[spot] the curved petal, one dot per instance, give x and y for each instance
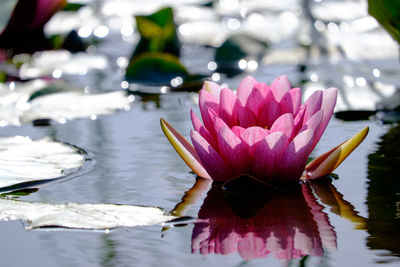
(252, 135)
(269, 111)
(238, 130)
(213, 89)
(212, 161)
(199, 127)
(280, 86)
(296, 155)
(313, 104)
(233, 150)
(268, 156)
(184, 149)
(206, 102)
(228, 107)
(245, 88)
(256, 97)
(291, 101)
(328, 104)
(313, 123)
(328, 162)
(284, 124)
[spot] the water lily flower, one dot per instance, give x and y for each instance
(262, 131)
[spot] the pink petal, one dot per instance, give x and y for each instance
(228, 107)
(269, 111)
(284, 124)
(280, 86)
(246, 117)
(208, 101)
(199, 127)
(232, 150)
(291, 101)
(252, 135)
(212, 88)
(268, 155)
(314, 122)
(312, 105)
(210, 159)
(328, 105)
(256, 97)
(245, 88)
(237, 130)
(298, 120)
(296, 155)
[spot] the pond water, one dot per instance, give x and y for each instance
(353, 220)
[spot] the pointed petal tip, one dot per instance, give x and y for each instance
(329, 161)
(184, 149)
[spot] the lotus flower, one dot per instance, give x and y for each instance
(290, 225)
(262, 131)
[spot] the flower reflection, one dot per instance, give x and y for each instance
(288, 224)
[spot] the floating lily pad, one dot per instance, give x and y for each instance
(80, 216)
(26, 163)
(55, 101)
(235, 49)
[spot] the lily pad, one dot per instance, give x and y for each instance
(55, 101)
(80, 216)
(161, 69)
(237, 49)
(27, 163)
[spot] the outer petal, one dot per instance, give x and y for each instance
(208, 101)
(228, 107)
(291, 101)
(268, 156)
(269, 111)
(312, 105)
(245, 88)
(238, 130)
(328, 104)
(328, 162)
(280, 86)
(252, 136)
(212, 161)
(184, 149)
(284, 124)
(314, 122)
(296, 155)
(212, 88)
(199, 127)
(233, 150)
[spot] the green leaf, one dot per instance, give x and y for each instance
(155, 68)
(387, 13)
(234, 49)
(158, 33)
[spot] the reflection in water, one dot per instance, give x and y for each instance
(288, 224)
(383, 198)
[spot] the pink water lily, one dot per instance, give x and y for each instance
(261, 131)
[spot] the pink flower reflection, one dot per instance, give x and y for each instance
(290, 225)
